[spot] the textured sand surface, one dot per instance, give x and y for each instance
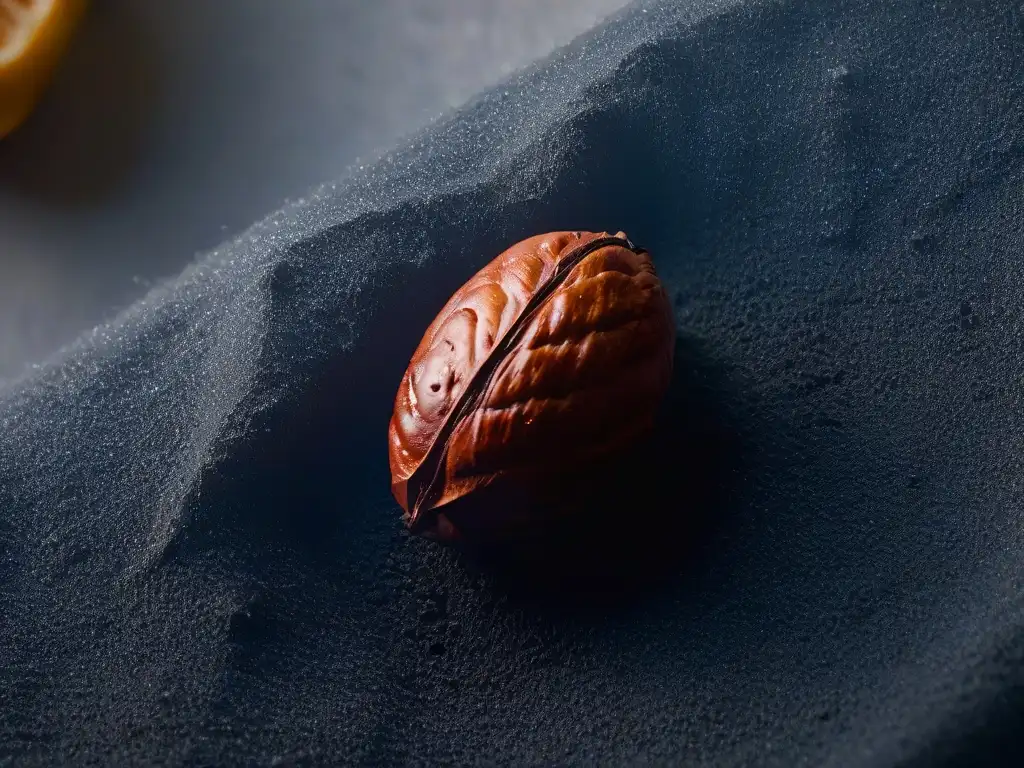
(199, 558)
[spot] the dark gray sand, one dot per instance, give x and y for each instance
(200, 562)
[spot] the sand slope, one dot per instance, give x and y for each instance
(199, 558)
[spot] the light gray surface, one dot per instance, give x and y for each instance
(174, 125)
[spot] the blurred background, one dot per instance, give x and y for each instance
(172, 126)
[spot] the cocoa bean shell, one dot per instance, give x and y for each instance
(553, 356)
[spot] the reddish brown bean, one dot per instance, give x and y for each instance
(552, 357)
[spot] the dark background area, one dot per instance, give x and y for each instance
(174, 126)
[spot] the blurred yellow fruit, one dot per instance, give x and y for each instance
(34, 34)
